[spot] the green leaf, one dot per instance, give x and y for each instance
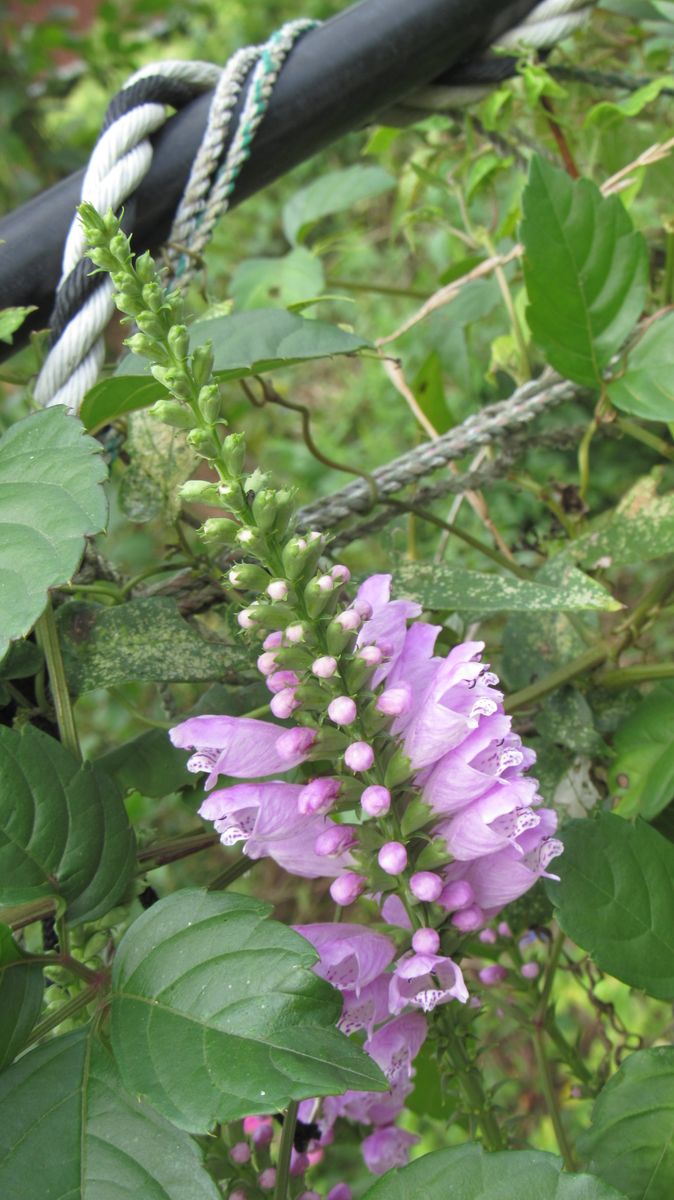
(50, 499)
(645, 388)
(63, 828)
(639, 528)
(610, 113)
(446, 586)
(149, 763)
(630, 1142)
(145, 640)
(12, 319)
(22, 660)
(566, 720)
(296, 276)
(587, 245)
(468, 1173)
(616, 899)
(216, 1013)
(69, 1131)
(21, 988)
(332, 193)
(244, 344)
(160, 461)
(642, 774)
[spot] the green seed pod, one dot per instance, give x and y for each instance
(172, 413)
(234, 453)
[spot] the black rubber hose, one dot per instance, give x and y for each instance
(339, 77)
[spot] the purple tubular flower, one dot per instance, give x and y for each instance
(265, 817)
(351, 956)
(394, 1048)
(387, 1148)
(492, 822)
(367, 1008)
(359, 756)
(497, 879)
(425, 980)
(237, 746)
(388, 623)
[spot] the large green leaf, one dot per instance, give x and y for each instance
(63, 828)
(640, 527)
(244, 344)
(140, 640)
(630, 1142)
(69, 1131)
(50, 498)
(296, 276)
(642, 773)
(216, 1013)
(444, 585)
(467, 1173)
(615, 898)
(331, 193)
(149, 763)
(585, 245)
(21, 988)
(646, 388)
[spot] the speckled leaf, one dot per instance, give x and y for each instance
(630, 1142)
(566, 719)
(615, 899)
(50, 498)
(69, 1131)
(142, 640)
(63, 828)
(586, 243)
(468, 1173)
(216, 1013)
(639, 528)
(645, 388)
(446, 586)
(160, 461)
(535, 644)
(21, 988)
(642, 773)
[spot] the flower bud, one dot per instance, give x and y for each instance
(267, 1179)
(296, 741)
(375, 800)
(240, 1153)
(172, 413)
(248, 576)
(198, 491)
(264, 509)
(284, 703)
(263, 1136)
(394, 700)
(266, 663)
(349, 620)
(153, 298)
(504, 930)
(234, 453)
(219, 531)
(347, 888)
(280, 680)
(273, 640)
(325, 667)
(341, 1191)
(237, 1194)
(363, 608)
(487, 937)
(337, 639)
(247, 618)
(492, 974)
(456, 895)
(317, 595)
(371, 655)
(210, 403)
(426, 885)
(178, 338)
(141, 344)
(300, 556)
(359, 756)
(531, 970)
(468, 919)
(342, 710)
(334, 841)
(202, 363)
(340, 573)
(426, 941)
(277, 589)
(203, 443)
(295, 633)
(392, 858)
(318, 796)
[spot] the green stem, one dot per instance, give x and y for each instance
(382, 289)
(470, 1083)
(233, 872)
(627, 676)
(551, 1098)
(668, 280)
(584, 458)
(495, 555)
(174, 849)
(158, 569)
(47, 636)
(108, 591)
(17, 916)
(571, 670)
(64, 1013)
(645, 436)
(567, 1052)
(285, 1151)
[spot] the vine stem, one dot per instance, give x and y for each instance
(47, 636)
(470, 1084)
(544, 1065)
(151, 857)
(285, 1151)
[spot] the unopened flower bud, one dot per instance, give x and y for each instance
(426, 941)
(347, 888)
(278, 589)
(299, 1163)
(335, 841)
(487, 937)
(247, 618)
(251, 540)
(293, 742)
(141, 343)
(394, 700)
(317, 595)
(210, 403)
(531, 970)
(468, 919)
(237, 1194)
(392, 858)
(273, 640)
(371, 655)
(342, 710)
(503, 929)
(340, 573)
(295, 633)
(202, 363)
(178, 338)
(267, 1179)
(240, 1153)
(359, 756)
(349, 620)
(363, 608)
(341, 1191)
(280, 680)
(456, 895)
(300, 556)
(284, 703)
(318, 796)
(375, 800)
(202, 443)
(264, 509)
(325, 667)
(219, 531)
(198, 491)
(263, 1135)
(426, 885)
(492, 974)
(266, 663)
(172, 413)
(153, 298)
(248, 576)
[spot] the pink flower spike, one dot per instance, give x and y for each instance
(267, 1179)
(392, 858)
(359, 756)
(347, 888)
(426, 941)
(340, 573)
(468, 919)
(240, 1153)
(492, 974)
(456, 895)
(273, 640)
(375, 800)
(318, 795)
(426, 885)
(325, 667)
(293, 745)
(335, 840)
(395, 700)
(280, 680)
(266, 663)
(278, 589)
(342, 710)
(283, 704)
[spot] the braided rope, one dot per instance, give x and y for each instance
(496, 423)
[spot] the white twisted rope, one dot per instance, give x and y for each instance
(123, 155)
